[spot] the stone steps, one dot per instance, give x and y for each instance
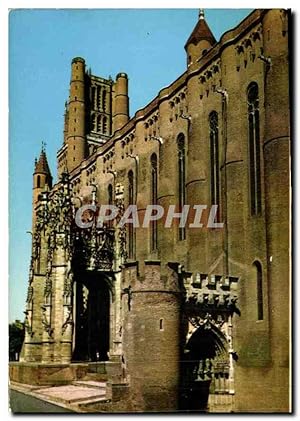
(91, 402)
(90, 383)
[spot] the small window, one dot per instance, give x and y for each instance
(161, 324)
(38, 182)
(259, 290)
(110, 194)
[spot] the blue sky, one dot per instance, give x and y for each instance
(146, 44)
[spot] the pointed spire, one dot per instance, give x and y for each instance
(201, 14)
(201, 32)
(41, 165)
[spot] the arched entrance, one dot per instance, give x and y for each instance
(205, 365)
(92, 298)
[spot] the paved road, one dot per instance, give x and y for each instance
(21, 403)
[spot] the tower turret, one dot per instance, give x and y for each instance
(76, 139)
(200, 40)
(42, 178)
(121, 102)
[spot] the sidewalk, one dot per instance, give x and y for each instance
(79, 396)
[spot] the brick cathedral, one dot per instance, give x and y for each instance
(172, 318)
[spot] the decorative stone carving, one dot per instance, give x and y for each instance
(210, 302)
(211, 292)
(128, 291)
(68, 285)
(93, 248)
(210, 79)
(28, 322)
(68, 319)
(121, 230)
(46, 320)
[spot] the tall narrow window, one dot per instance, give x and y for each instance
(99, 97)
(93, 99)
(254, 149)
(104, 124)
(130, 226)
(38, 183)
(99, 123)
(104, 100)
(259, 288)
(94, 122)
(181, 179)
(110, 200)
(153, 200)
(214, 159)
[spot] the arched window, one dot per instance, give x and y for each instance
(254, 148)
(214, 159)
(38, 181)
(153, 242)
(130, 226)
(181, 179)
(259, 289)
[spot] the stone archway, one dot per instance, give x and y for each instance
(92, 307)
(207, 365)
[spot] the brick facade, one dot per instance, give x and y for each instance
(194, 312)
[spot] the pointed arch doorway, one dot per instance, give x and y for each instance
(92, 306)
(206, 367)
